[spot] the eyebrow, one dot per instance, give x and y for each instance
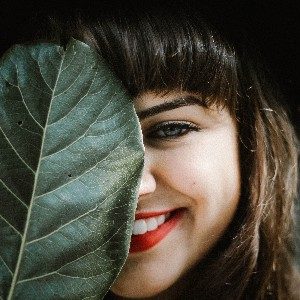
(176, 103)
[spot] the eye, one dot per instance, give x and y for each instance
(171, 130)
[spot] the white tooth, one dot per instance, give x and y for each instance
(160, 219)
(139, 227)
(151, 224)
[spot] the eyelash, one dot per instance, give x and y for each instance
(179, 129)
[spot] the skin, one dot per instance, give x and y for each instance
(195, 168)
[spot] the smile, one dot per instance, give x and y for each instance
(150, 228)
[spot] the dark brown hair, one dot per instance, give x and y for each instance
(168, 49)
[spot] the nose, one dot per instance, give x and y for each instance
(148, 181)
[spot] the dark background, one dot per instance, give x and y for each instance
(270, 26)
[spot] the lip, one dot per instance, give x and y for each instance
(145, 215)
(149, 239)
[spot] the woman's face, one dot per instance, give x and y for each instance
(192, 171)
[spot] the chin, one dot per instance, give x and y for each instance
(153, 282)
(137, 291)
(147, 288)
(136, 294)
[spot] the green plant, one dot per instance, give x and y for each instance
(71, 156)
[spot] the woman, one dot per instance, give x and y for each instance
(215, 208)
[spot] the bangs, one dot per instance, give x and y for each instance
(165, 50)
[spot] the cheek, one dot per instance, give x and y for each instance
(206, 168)
(207, 181)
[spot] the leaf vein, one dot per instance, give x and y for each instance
(7, 188)
(15, 150)
(82, 215)
(64, 116)
(34, 60)
(16, 230)
(23, 99)
(82, 135)
(32, 131)
(87, 171)
(90, 252)
(81, 71)
(57, 271)
(85, 278)
(38, 63)
(74, 53)
(21, 251)
(7, 267)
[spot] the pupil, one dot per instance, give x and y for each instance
(173, 130)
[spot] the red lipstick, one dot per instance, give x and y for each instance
(149, 239)
(145, 215)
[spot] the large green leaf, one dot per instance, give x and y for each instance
(70, 162)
